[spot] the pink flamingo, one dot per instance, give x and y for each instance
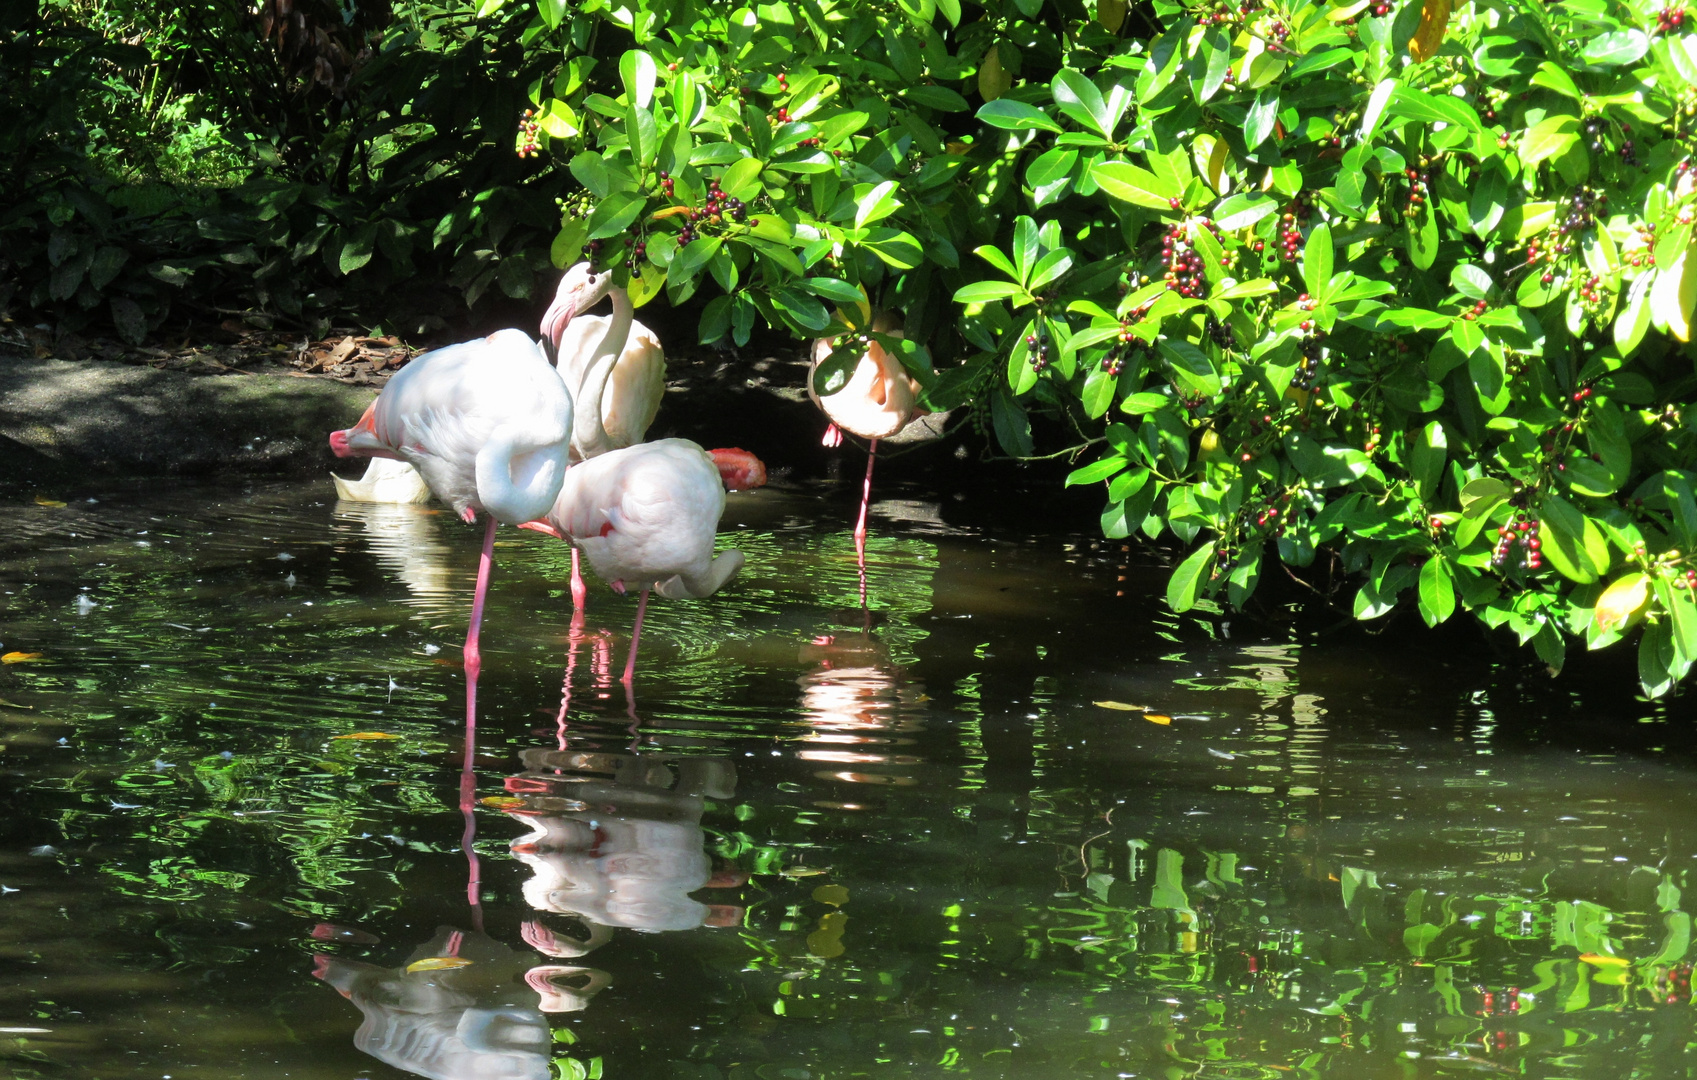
(879, 400)
(647, 515)
(487, 423)
(616, 372)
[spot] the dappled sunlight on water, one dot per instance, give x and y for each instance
(1013, 820)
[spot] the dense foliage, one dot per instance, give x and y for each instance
(295, 164)
(1368, 292)
(1377, 287)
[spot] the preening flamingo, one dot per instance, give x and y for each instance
(616, 372)
(646, 516)
(879, 400)
(487, 423)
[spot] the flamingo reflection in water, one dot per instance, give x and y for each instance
(459, 1009)
(860, 707)
(616, 840)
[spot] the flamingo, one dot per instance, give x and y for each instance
(487, 423)
(386, 480)
(647, 514)
(616, 372)
(879, 400)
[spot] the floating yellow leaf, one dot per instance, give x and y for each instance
(835, 895)
(800, 872)
(438, 963)
(19, 657)
(1429, 35)
(42, 500)
(1121, 706)
(1622, 600)
(993, 81)
(368, 736)
(1111, 14)
(1157, 718)
(1605, 961)
(501, 802)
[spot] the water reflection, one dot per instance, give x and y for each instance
(615, 838)
(860, 708)
(406, 540)
(459, 1009)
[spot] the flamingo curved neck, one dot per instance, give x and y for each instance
(606, 356)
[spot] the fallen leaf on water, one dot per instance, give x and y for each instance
(1120, 705)
(438, 963)
(14, 705)
(42, 500)
(501, 802)
(19, 657)
(1157, 718)
(1605, 961)
(800, 872)
(366, 735)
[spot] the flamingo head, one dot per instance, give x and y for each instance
(739, 469)
(581, 288)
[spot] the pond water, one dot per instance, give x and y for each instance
(243, 838)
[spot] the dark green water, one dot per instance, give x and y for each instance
(908, 844)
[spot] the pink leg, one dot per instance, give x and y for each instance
(473, 658)
(574, 637)
(860, 526)
(635, 636)
(580, 593)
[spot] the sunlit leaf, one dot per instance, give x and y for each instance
(20, 657)
(366, 736)
(438, 963)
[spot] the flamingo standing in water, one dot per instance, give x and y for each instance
(487, 423)
(646, 515)
(878, 401)
(616, 372)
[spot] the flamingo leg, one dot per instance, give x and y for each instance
(860, 525)
(473, 658)
(580, 592)
(635, 636)
(574, 637)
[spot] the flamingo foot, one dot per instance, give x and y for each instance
(617, 586)
(469, 516)
(833, 437)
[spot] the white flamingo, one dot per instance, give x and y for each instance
(487, 423)
(646, 516)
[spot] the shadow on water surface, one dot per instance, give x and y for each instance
(823, 842)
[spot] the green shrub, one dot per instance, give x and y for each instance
(1376, 283)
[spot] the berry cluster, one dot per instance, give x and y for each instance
(1220, 333)
(1312, 348)
(1273, 516)
(1419, 191)
(1478, 309)
(1687, 580)
(1583, 206)
(1669, 19)
(1381, 9)
(1037, 346)
(719, 207)
(638, 252)
(1520, 533)
(1290, 227)
(1646, 238)
(529, 131)
(1588, 290)
(592, 249)
(1593, 129)
(1278, 32)
(1628, 149)
(666, 183)
(1185, 271)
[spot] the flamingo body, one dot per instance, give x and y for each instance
(631, 397)
(386, 480)
(647, 515)
(485, 422)
(880, 397)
